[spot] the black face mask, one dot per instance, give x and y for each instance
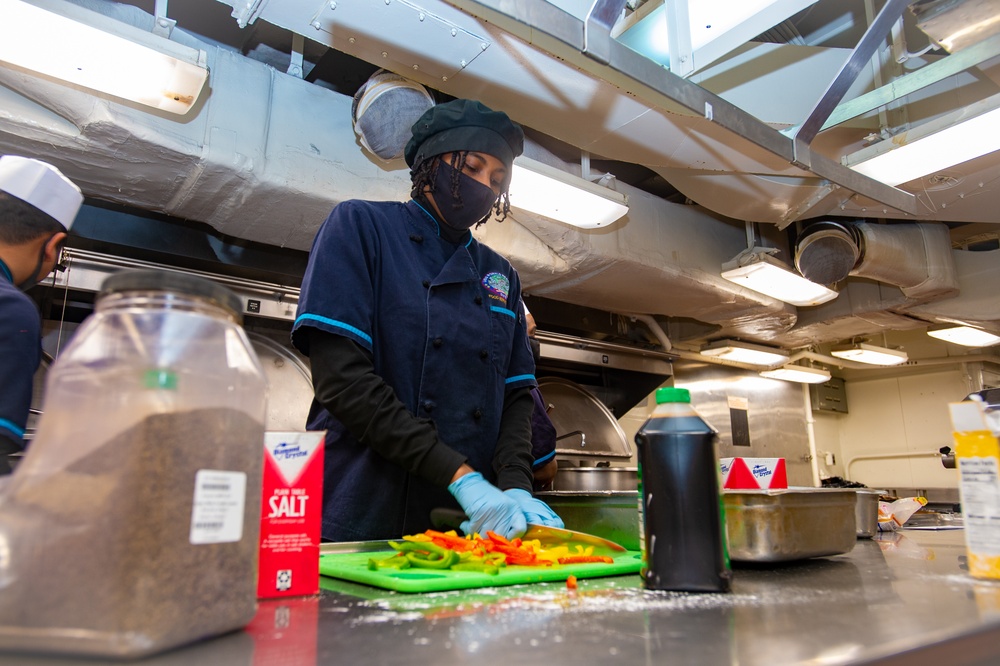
(472, 205)
(33, 278)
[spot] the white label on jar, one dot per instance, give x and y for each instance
(980, 488)
(217, 514)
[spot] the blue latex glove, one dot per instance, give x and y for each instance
(487, 507)
(535, 511)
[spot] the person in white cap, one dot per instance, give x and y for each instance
(37, 207)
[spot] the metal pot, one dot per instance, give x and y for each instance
(591, 479)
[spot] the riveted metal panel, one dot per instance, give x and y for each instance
(434, 46)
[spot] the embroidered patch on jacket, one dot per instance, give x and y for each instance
(497, 286)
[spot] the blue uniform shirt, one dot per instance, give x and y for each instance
(445, 329)
(20, 354)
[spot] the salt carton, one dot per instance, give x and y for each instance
(753, 473)
(291, 508)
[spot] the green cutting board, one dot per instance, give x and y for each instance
(354, 567)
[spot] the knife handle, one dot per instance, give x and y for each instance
(452, 518)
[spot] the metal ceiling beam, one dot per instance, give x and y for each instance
(858, 60)
(546, 26)
(916, 80)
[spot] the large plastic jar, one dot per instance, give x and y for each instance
(680, 506)
(132, 522)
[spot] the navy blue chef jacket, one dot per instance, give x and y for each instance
(444, 325)
(20, 354)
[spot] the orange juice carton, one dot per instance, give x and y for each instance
(977, 454)
(291, 508)
(753, 473)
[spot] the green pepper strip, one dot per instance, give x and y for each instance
(419, 546)
(394, 562)
(444, 562)
(482, 567)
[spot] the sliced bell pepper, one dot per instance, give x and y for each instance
(482, 567)
(585, 559)
(446, 561)
(451, 540)
(419, 547)
(397, 561)
(496, 538)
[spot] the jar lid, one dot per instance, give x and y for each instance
(672, 394)
(191, 285)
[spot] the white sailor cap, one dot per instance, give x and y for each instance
(41, 185)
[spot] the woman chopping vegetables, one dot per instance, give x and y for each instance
(420, 362)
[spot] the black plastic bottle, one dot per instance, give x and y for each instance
(680, 506)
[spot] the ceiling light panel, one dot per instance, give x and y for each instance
(964, 335)
(932, 147)
(872, 354)
(744, 352)
(762, 273)
(544, 190)
(64, 41)
(798, 373)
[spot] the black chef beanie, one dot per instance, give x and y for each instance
(464, 124)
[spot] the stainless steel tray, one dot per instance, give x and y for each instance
(761, 525)
(791, 524)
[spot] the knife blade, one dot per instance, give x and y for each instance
(547, 536)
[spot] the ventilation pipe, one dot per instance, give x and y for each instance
(915, 257)
(384, 110)
(654, 328)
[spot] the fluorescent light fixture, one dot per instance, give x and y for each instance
(745, 352)
(757, 270)
(64, 41)
(933, 146)
(863, 352)
(539, 188)
(798, 373)
(964, 335)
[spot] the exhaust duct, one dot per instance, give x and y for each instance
(384, 110)
(916, 257)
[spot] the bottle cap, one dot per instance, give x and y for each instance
(671, 394)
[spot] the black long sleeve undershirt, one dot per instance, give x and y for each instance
(346, 385)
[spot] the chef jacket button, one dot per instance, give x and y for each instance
(483, 354)
(416, 239)
(437, 342)
(428, 406)
(426, 283)
(479, 300)
(477, 414)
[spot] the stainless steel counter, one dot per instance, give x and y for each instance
(904, 598)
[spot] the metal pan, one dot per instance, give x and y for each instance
(761, 525)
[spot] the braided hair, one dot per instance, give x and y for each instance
(423, 176)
